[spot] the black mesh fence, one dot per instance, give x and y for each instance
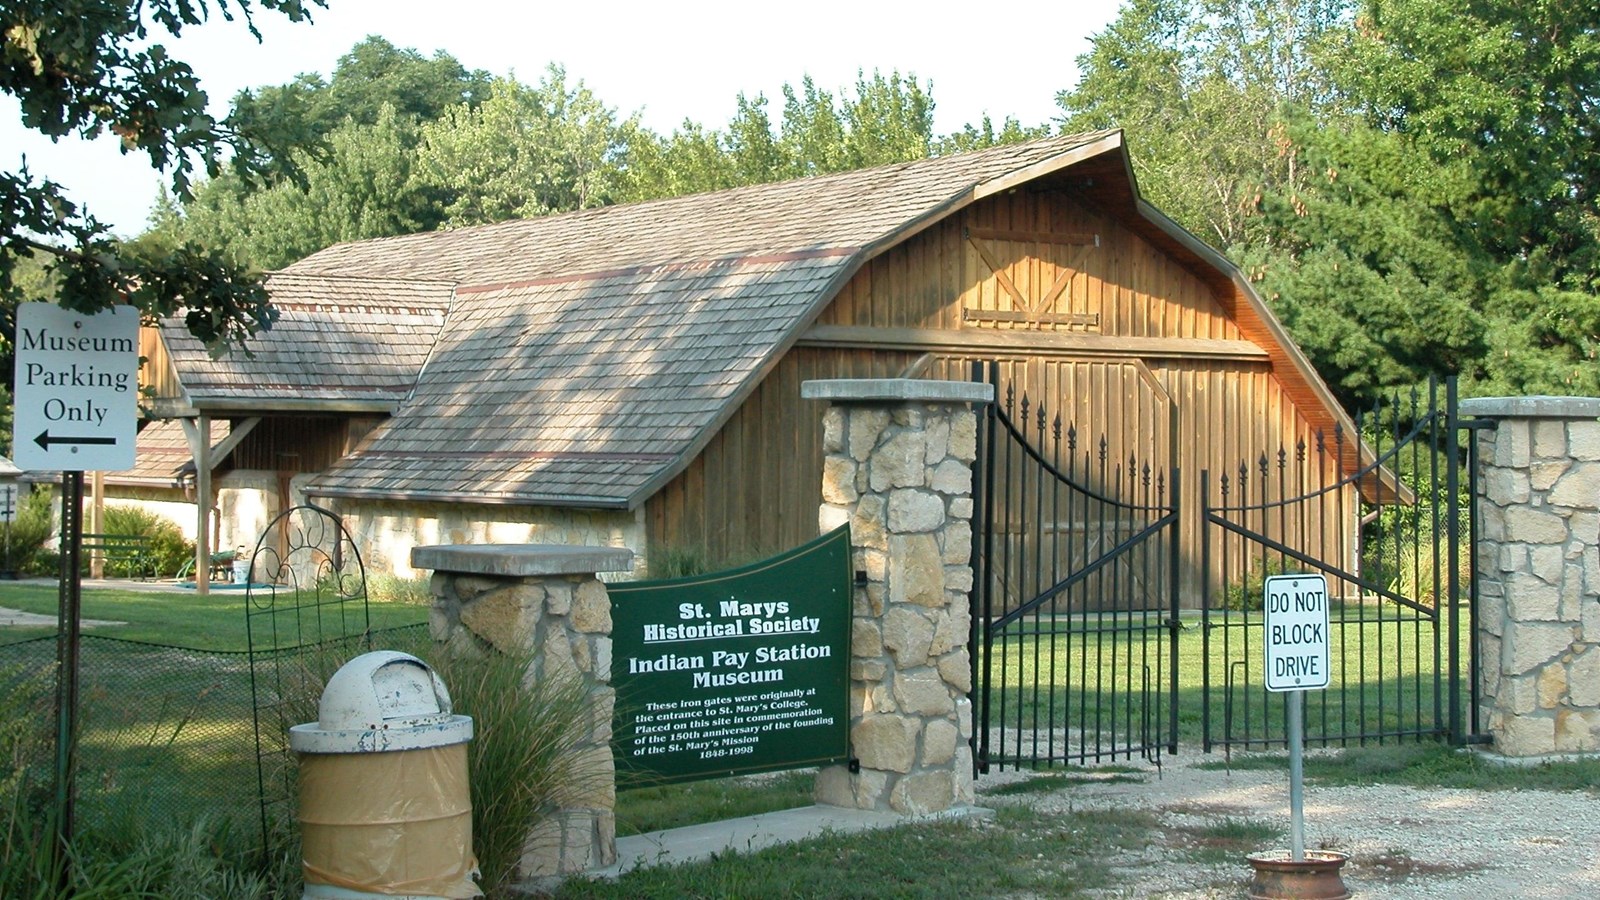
(166, 734)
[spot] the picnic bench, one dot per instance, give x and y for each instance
(221, 566)
(129, 553)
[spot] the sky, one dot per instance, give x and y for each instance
(666, 61)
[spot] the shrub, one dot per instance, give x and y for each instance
(1249, 592)
(34, 526)
(688, 561)
(168, 548)
(386, 588)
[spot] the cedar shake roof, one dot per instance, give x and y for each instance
(585, 359)
(359, 342)
(590, 355)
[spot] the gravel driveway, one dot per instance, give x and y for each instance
(1403, 842)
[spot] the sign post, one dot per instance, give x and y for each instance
(76, 409)
(1297, 660)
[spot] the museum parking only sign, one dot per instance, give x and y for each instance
(1297, 656)
(77, 389)
(736, 672)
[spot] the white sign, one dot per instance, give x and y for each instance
(77, 389)
(1297, 632)
(8, 502)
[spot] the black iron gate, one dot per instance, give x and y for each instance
(1075, 594)
(1384, 515)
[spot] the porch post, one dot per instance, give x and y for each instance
(1539, 573)
(544, 596)
(897, 467)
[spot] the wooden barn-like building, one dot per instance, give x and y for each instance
(631, 375)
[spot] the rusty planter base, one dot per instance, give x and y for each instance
(1278, 877)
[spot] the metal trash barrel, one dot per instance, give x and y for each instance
(384, 804)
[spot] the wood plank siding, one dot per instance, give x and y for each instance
(1086, 316)
(301, 443)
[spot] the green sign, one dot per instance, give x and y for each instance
(740, 671)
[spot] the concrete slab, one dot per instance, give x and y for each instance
(751, 833)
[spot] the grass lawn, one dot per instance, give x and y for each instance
(174, 617)
(165, 713)
(1018, 853)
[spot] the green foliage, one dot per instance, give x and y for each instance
(1019, 852)
(374, 81)
(1432, 765)
(983, 135)
(384, 587)
(31, 529)
(1250, 590)
(525, 152)
(87, 67)
(168, 547)
(1411, 184)
(688, 560)
(1202, 86)
(885, 119)
(1366, 274)
(362, 184)
(523, 758)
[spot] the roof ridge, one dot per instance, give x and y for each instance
(371, 279)
(571, 217)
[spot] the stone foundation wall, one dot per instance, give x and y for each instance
(1539, 573)
(898, 469)
(500, 598)
(386, 532)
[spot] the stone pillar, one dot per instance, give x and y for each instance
(898, 468)
(1539, 573)
(544, 597)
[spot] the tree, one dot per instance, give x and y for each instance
(362, 184)
(983, 135)
(1412, 187)
(526, 151)
(1503, 98)
(1203, 88)
(887, 119)
(87, 67)
(373, 76)
(1367, 276)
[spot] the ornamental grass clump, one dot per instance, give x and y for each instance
(525, 760)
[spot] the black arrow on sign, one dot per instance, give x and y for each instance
(44, 440)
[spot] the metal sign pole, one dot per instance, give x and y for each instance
(67, 642)
(1297, 812)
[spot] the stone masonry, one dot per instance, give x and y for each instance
(544, 597)
(898, 468)
(1539, 573)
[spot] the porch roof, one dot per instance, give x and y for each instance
(349, 341)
